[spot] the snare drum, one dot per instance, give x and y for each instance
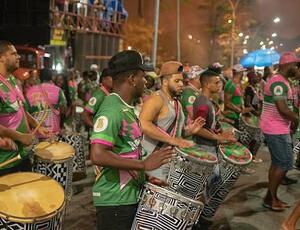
(233, 158)
(189, 171)
(55, 159)
(162, 209)
(30, 201)
(77, 141)
(250, 131)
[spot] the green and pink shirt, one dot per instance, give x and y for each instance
(117, 127)
(272, 122)
(12, 115)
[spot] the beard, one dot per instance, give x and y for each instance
(174, 92)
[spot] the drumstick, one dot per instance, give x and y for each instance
(42, 120)
(18, 157)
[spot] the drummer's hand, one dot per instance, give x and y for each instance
(45, 132)
(158, 158)
(195, 126)
(246, 110)
(8, 144)
(181, 143)
(26, 138)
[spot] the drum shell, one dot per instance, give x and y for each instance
(57, 165)
(188, 175)
(77, 141)
(159, 203)
(51, 220)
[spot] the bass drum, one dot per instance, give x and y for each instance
(31, 201)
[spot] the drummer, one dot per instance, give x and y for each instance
(234, 97)
(97, 98)
(45, 97)
(191, 91)
(204, 107)
(15, 122)
(115, 145)
(162, 118)
(207, 137)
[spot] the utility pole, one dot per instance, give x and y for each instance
(178, 31)
(155, 37)
(233, 10)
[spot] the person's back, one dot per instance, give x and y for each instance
(272, 122)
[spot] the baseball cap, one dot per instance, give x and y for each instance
(195, 71)
(288, 57)
(217, 65)
(127, 60)
(238, 68)
(171, 67)
(94, 67)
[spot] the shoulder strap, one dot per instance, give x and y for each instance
(55, 111)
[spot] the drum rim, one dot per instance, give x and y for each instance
(197, 159)
(149, 185)
(247, 124)
(234, 162)
(61, 160)
(27, 220)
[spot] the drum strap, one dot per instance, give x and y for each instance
(172, 129)
(55, 111)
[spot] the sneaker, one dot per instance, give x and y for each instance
(287, 181)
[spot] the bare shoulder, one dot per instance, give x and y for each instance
(154, 100)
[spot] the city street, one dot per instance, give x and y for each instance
(242, 209)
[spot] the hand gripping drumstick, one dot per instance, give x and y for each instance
(18, 157)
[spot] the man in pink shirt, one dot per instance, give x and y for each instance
(46, 96)
(275, 122)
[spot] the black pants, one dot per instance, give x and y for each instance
(115, 217)
(24, 166)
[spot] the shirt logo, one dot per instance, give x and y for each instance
(92, 101)
(192, 99)
(100, 124)
(278, 90)
(96, 194)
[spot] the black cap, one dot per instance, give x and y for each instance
(127, 60)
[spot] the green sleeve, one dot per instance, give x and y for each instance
(95, 102)
(62, 101)
(107, 124)
(279, 91)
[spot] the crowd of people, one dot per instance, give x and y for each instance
(138, 119)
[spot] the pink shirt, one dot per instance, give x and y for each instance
(272, 122)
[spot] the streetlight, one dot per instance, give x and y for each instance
(245, 42)
(245, 51)
(276, 20)
(271, 42)
(229, 21)
(247, 37)
(241, 34)
(274, 35)
(129, 47)
(190, 36)
(233, 11)
(280, 44)
(261, 43)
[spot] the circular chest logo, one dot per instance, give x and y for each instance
(100, 124)
(92, 101)
(278, 90)
(192, 99)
